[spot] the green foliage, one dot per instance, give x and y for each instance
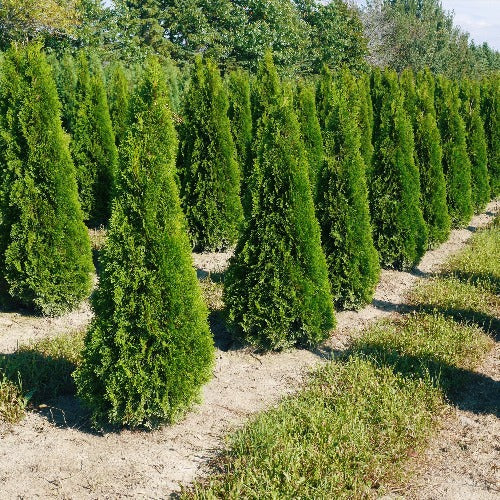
(470, 97)
(118, 98)
(240, 116)
(352, 426)
(310, 131)
(43, 370)
(276, 287)
(208, 170)
(149, 349)
(45, 258)
(490, 110)
(429, 160)
(336, 35)
(456, 163)
(66, 80)
(93, 146)
(342, 202)
(366, 120)
(12, 402)
(400, 233)
(420, 34)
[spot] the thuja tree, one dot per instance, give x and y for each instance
(118, 99)
(240, 116)
(342, 202)
(456, 163)
(366, 120)
(148, 349)
(276, 287)
(429, 160)
(208, 170)
(65, 75)
(310, 130)
(400, 233)
(490, 110)
(470, 98)
(93, 142)
(45, 256)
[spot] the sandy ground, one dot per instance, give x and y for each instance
(52, 453)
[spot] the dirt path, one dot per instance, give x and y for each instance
(51, 453)
(463, 460)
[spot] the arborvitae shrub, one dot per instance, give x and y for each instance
(477, 150)
(366, 121)
(276, 287)
(310, 131)
(45, 256)
(118, 98)
(324, 95)
(266, 88)
(456, 163)
(148, 349)
(65, 75)
(93, 142)
(240, 116)
(490, 110)
(208, 171)
(429, 161)
(400, 233)
(342, 202)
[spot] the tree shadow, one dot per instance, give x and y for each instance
(465, 389)
(47, 384)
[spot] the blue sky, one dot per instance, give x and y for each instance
(480, 18)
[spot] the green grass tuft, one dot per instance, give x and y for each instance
(352, 427)
(42, 371)
(12, 402)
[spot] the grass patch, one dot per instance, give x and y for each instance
(479, 263)
(212, 293)
(40, 371)
(427, 346)
(353, 427)
(468, 286)
(459, 300)
(345, 433)
(12, 402)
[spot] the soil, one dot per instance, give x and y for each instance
(53, 452)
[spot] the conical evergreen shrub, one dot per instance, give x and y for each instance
(342, 202)
(477, 149)
(429, 161)
(240, 116)
(66, 81)
(45, 256)
(118, 98)
(324, 95)
(266, 89)
(310, 130)
(276, 287)
(93, 142)
(366, 121)
(490, 110)
(400, 233)
(208, 171)
(148, 349)
(456, 163)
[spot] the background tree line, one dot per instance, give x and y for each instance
(303, 34)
